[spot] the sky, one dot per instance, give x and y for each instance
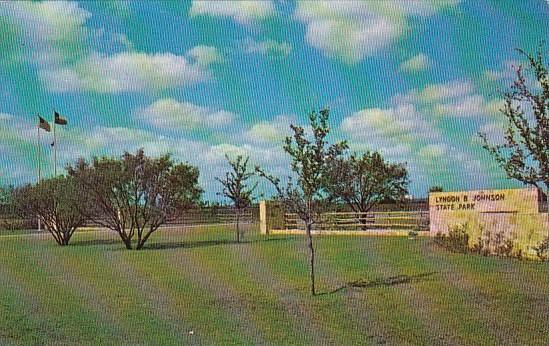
(415, 80)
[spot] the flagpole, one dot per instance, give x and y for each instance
(39, 155)
(39, 169)
(54, 148)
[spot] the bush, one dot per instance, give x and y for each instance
(542, 250)
(54, 200)
(17, 224)
(503, 246)
(457, 239)
(488, 243)
(414, 233)
(494, 243)
(135, 194)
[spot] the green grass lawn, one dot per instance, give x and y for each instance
(199, 287)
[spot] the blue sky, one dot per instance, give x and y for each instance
(416, 80)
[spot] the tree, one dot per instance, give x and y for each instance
(235, 187)
(436, 188)
(53, 201)
(6, 199)
(6, 194)
(310, 158)
(524, 154)
(136, 194)
(364, 181)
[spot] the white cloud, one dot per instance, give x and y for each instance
(348, 30)
(454, 98)
(271, 132)
(494, 131)
(205, 55)
(216, 154)
(416, 63)
(169, 113)
(433, 151)
(469, 106)
(268, 47)
(354, 30)
(243, 12)
(49, 20)
(402, 124)
(437, 92)
(124, 72)
(5, 117)
(506, 73)
(53, 31)
(265, 156)
(60, 44)
(413, 127)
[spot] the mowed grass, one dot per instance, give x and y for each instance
(197, 286)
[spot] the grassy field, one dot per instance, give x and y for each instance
(199, 287)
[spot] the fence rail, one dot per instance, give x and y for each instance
(351, 221)
(198, 217)
(206, 216)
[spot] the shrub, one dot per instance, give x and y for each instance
(413, 233)
(16, 224)
(54, 201)
(542, 250)
(488, 243)
(494, 243)
(134, 195)
(503, 246)
(457, 239)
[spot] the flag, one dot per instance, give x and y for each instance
(43, 124)
(60, 120)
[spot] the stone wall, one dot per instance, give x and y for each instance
(515, 214)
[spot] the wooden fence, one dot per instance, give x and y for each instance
(351, 221)
(219, 216)
(192, 217)
(204, 216)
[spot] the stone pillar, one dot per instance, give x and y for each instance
(263, 217)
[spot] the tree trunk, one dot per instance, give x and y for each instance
(312, 258)
(127, 242)
(238, 226)
(141, 242)
(65, 239)
(362, 218)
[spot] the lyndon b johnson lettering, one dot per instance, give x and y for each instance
(465, 202)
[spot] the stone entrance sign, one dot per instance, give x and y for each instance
(515, 213)
(485, 201)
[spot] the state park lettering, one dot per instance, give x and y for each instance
(466, 202)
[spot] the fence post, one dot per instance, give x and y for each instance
(263, 217)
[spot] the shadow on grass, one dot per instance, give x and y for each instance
(383, 282)
(205, 243)
(93, 242)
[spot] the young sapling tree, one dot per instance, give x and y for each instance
(310, 157)
(236, 187)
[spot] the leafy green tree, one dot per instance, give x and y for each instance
(436, 188)
(136, 194)
(6, 200)
(524, 154)
(310, 159)
(362, 182)
(6, 194)
(53, 201)
(236, 187)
